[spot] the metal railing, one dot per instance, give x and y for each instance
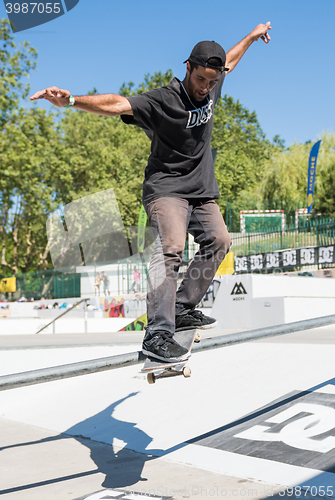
(109, 363)
(53, 322)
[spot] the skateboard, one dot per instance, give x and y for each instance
(156, 368)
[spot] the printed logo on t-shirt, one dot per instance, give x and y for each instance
(200, 116)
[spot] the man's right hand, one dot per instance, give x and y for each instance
(56, 96)
(105, 104)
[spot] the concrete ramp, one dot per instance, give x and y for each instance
(261, 412)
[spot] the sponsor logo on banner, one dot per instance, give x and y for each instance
(307, 256)
(256, 262)
(326, 255)
(241, 264)
(272, 260)
(286, 258)
(290, 258)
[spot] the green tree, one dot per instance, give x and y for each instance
(28, 145)
(45, 166)
(242, 150)
(285, 179)
(29, 159)
(284, 183)
(150, 82)
(15, 66)
(102, 152)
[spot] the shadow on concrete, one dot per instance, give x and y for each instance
(123, 467)
(120, 465)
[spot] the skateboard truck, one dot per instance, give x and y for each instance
(169, 372)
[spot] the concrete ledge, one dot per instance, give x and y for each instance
(21, 326)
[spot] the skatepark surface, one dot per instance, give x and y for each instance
(255, 420)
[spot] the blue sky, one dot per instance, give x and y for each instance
(289, 82)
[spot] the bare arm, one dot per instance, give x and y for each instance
(235, 54)
(105, 104)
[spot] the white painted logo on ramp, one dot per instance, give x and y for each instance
(302, 433)
(124, 495)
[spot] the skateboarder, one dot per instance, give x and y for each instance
(179, 187)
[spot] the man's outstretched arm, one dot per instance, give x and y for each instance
(105, 104)
(235, 54)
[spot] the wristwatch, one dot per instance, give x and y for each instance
(71, 102)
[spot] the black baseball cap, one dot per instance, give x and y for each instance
(203, 51)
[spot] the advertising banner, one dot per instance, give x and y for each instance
(311, 175)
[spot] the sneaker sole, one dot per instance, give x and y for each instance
(203, 327)
(181, 359)
(210, 325)
(186, 328)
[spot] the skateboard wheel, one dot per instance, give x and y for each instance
(197, 338)
(151, 378)
(186, 371)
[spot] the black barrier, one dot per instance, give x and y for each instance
(322, 256)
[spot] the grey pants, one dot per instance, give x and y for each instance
(170, 219)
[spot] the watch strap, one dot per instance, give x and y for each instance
(71, 102)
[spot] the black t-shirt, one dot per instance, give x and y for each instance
(181, 163)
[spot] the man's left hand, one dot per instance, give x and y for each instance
(261, 32)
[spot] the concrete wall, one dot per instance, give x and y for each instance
(30, 309)
(19, 326)
(24, 318)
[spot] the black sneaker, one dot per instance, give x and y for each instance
(194, 319)
(162, 346)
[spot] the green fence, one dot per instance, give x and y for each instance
(52, 284)
(312, 233)
(49, 284)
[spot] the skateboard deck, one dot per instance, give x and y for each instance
(156, 368)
